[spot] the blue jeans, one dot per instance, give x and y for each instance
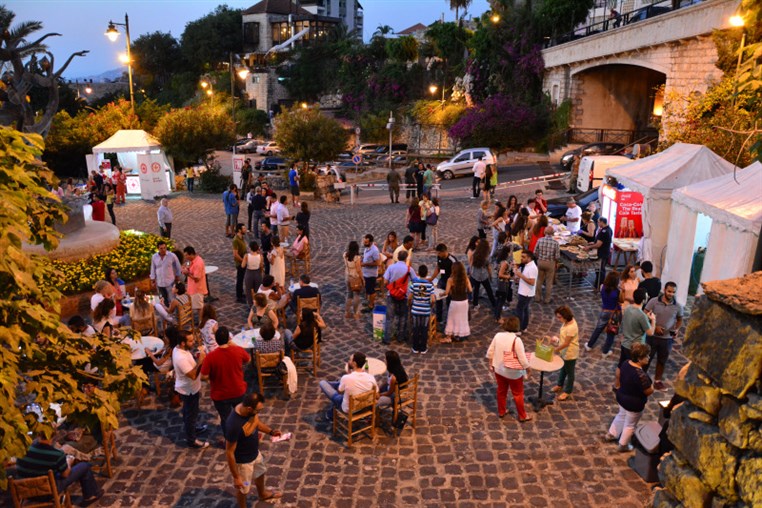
(190, 415)
(396, 320)
(330, 389)
(603, 320)
(522, 310)
(225, 407)
(83, 474)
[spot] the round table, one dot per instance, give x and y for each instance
(127, 302)
(207, 270)
(296, 286)
(138, 347)
(541, 365)
(246, 338)
(376, 367)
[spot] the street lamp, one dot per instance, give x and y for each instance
(495, 18)
(737, 21)
(113, 34)
(390, 126)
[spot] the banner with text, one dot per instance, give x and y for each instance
(153, 176)
(238, 161)
(629, 215)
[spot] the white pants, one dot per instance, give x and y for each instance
(624, 424)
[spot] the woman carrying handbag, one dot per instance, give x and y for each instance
(508, 361)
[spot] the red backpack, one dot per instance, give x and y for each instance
(398, 288)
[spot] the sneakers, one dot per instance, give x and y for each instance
(588, 348)
(624, 449)
(658, 385)
(607, 354)
(198, 444)
(609, 438)
(200, 429)
(414, 351)
(424, 351)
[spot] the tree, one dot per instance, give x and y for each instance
(191, 134)
(157, 58)
(210, 40)
(306, 134)
(373, 128)
(402, 49)
(41, 361)
(456, 5)
(556, 17)
(250, 120)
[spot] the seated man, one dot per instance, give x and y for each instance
(274, 291)
(354, 382)
(304, 290)
(42, 456)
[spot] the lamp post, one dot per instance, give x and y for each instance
(737, 21)
(113, 34)
(390, 126)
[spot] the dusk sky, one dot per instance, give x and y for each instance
(83, 23)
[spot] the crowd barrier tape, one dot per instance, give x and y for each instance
(355, 187)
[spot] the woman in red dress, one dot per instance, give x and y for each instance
(121, 185)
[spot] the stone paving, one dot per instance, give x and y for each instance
(461, 454)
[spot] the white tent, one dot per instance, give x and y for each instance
(655, 177)
(734, 203)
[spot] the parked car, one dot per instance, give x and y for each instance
(399, 149)
(463, 162)
(271, 164)
(647, 12)
(338, 174)
(557, 206)
(365, 149)
(268, 148)
(600, 148)
(250, 146)
(592, 169)
(397, 160)
(237, 145)
(350, 166)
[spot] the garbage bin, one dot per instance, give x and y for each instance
(646, 459)
(379, 321)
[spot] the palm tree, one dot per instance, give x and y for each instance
(456, 5)
(383, 31)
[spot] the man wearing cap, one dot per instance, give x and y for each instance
(573, 215)
(547, 253)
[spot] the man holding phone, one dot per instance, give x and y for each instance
(669, 319)
(245, 461)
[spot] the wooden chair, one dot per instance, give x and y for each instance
(406, 397)
(27, 489)
(307, 357)
(105, 465)
(185, 317)
(304, 260)
(306, 303)
(267, 364)
(362, 407)
(146, 326)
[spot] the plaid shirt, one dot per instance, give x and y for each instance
(547, 249)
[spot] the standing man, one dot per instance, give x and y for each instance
(257, 209)
(410, 181)
(445, 260)
(573, 215)
(165, 271)
(223, 368)
(371, 258)
(419, 179)
(190, 177)
(526, 276)
(195, 270)
(273, 216)
(239, 251)
(283, 218)
(230, 201)
(188, 385)
(245, 176)
(266, 242)
(603, 239)
(393, 180)
(651, 284)
(421, 299)
(397, 275)
(547, 253)
(293, 183)
(669, 319)
(242, 430)
(636, 325)
(428, 181)
(165, 219)
(480, 169)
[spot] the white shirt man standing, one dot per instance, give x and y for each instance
(165, 271)
(188, 385)
(573, 216)
(480, 169)
(527, 279)
(165, 219)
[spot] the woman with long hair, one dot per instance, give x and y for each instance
(110, 198)
(306, 331)
(208, 327)
(118, 285)
(395, 375)
(538, 231)
(609, 306)
(628, 283)
(504, 291)
(353, 276)
(481, 273)
(568, 349)
(499, 223)
(121, 185)
(470, 248)
(252, 279)
(414, 222)
(301, 244)
(303, 218)
(141, 309)
(104, 318)
(390, 245)
(513, 207)
(458, 287)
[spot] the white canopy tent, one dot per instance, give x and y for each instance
(655, 177)
(734, 203)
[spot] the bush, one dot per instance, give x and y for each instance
(213, 181)
(307, 180)
(131, 258)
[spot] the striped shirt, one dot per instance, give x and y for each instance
(421, 289)
(39, 459)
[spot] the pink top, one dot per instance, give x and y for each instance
(197, 269)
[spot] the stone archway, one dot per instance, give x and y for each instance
(615, 96)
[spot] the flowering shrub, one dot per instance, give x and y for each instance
(131, 258)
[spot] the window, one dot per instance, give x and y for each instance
(251, 35)
(463, 157)
(479, 155)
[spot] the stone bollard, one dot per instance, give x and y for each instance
(717, 460)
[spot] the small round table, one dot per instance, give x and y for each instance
(376, 367)
(246, 338)
(138, 347)
(541, 365)
(210, 269)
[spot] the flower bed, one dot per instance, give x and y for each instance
(131, 258)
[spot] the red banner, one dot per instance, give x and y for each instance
(629, 215)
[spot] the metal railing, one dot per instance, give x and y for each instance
(626, 137)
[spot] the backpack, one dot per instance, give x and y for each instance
(398, 288)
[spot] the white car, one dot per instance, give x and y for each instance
(268, 149)
(463, 162)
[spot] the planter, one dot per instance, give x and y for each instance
(79, 304)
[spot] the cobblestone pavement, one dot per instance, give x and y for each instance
(461, 454)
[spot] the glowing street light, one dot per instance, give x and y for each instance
(495, 18)
(304, 105)
(113, 34)
(736, 21)
(243, 73)
(204, 84)
(433, 89)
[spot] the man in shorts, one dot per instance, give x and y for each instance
(242, 430)
(293, 183)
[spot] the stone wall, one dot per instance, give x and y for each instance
(425, 139)
(717, 461)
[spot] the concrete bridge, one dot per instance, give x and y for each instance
(614, 79)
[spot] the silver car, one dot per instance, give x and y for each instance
(463, 162)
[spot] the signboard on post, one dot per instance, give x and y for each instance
(238, 161)
(152, 175)
(357, 159)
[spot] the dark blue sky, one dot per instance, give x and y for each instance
(83, 22)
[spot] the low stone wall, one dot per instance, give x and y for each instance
(717, 461)
(72, 305)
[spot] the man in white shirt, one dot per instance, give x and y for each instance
(573, 215)
(164, 215)
(274, 215)
(188, 385)
(407, 246)
(165, 271)
(480, 169)
(526, 276)
(355, 382)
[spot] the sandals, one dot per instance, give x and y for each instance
(563, 396)
(528, 418)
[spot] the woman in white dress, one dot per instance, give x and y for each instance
(277, 260)
(458, 287)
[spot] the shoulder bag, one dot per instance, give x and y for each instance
(510, 359)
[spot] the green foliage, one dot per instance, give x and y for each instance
(212, 181)
(157, 57)
(449, 42)
(131, 258)
(557, 17)
(402, 49)
(428, 112)
(560, 118)
(307, 180)
(150, 112)
(190, 134)
(306, 134)
(42, 362)
(251, 120)
(211, 39)
(373, 128)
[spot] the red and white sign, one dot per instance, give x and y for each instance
(152, 183)
(155, 167)
(144, 168)
(629, 215)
